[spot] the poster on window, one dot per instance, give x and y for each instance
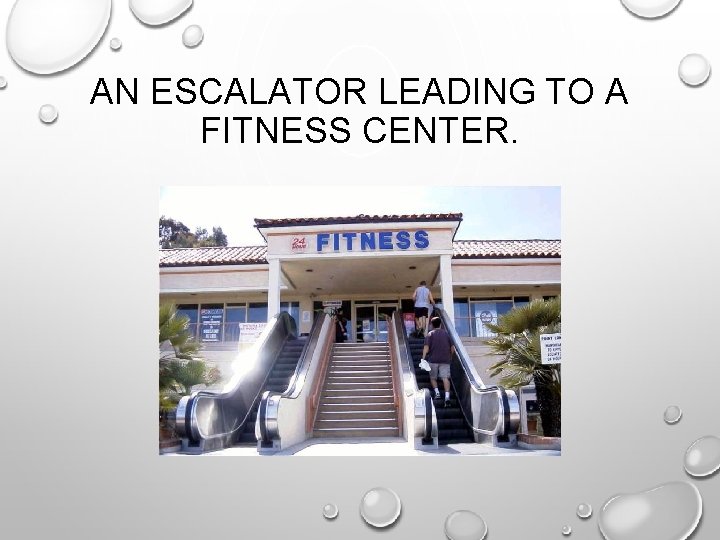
(250, 332)
(409, 320)
(485, 312)
(211, 324)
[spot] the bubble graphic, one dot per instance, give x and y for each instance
(380, 507)
(703, 456)
(584, 510)
(672, 414)
(192, 36)
(668, 512)
(465, 525)
(48, 114)
(694, 69)
(567, 530)
(330, 511)
(48, 36)
(115, 44)
(3, 82)
(155, 12)
(650, 9)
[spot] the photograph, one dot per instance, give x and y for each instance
(383, 334)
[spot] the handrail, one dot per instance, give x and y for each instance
(209, 420)
(425, 418)
(489, 410)
(394, 365)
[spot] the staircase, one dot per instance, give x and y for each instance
(357, 395)
(278, 381)
(452, 427)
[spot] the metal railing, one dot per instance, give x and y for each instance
(425, 426)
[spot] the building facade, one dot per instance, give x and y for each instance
(368, 265)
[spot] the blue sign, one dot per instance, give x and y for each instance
(211, 324)
(372, 241)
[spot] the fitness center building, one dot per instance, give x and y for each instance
(368, 265)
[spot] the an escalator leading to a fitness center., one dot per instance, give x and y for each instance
(452, 426)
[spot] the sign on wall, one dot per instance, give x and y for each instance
(368, 241)
(211, 324)
(550, 348)
(250, 332)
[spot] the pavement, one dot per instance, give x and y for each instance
(382, 447)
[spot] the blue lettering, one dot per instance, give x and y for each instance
(322, 240)
(367, 240)
(385, 240)
(421, 239)
(336, 242)
(403, 240)
(349, 238)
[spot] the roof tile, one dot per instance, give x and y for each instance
(462, 249)
(360, 218)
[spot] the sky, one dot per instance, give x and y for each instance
(489, 213)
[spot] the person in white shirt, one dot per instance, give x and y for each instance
(423, 299)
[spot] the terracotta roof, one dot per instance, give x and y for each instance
(360, 218)
(488, 249)
(210, 256)
(463, 249)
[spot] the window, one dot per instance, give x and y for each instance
(234, 315)
(257, 312)
(462, 314)
(488, 310)
(293, 308)
(191, 312)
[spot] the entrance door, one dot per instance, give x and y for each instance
(370, 323)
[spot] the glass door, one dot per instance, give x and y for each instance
(370, 323)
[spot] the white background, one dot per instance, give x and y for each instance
(79, 261)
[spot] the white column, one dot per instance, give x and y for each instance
(273, 288)
(446, 282)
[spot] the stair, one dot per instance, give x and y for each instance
(357, 395)
(278, 381)
(452, 427)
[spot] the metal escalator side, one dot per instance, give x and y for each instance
(283, 417)
(424, 424)
(208, 421)
(492, 412)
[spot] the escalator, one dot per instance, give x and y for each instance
(208, 421)
(278, 381)
(452, 426)
(476, 412)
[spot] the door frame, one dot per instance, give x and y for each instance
(375, 304)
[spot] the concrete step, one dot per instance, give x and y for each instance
(357, 369)
(357, 383)
(356, 423)
(371, 379)
(357, 392)
(350, 403)
(356, 432)
(326, 414)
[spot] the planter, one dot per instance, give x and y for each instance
(538, 442)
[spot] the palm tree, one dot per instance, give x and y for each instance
(181, 368)
(518, 340)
